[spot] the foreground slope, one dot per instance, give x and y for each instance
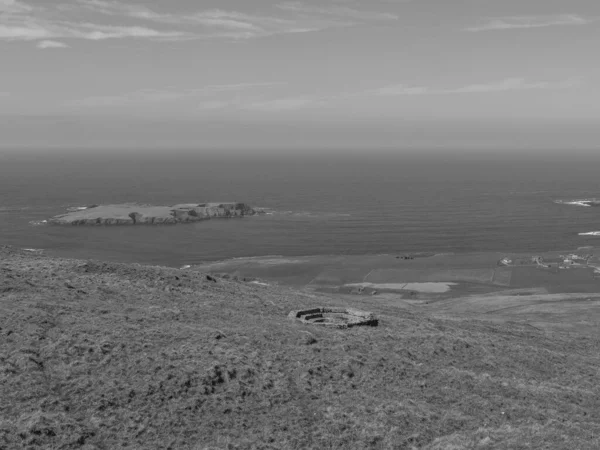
(99, 356)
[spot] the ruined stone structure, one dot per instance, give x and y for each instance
(335, 317)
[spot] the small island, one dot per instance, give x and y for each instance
(137, 214)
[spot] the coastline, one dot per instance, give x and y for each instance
(334, 270)
(342, 273)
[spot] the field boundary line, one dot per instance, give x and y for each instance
(367, 275)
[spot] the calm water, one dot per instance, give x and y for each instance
(323, 205)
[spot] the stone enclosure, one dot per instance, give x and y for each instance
(335, 317)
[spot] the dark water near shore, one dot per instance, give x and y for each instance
(322, 204)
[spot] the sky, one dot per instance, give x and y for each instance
(287, 74)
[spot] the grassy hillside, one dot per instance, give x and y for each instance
(102, 356)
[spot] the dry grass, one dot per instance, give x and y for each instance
(105, 356)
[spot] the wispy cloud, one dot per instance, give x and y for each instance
(129, 98)
(297, 18)
(516, 22)
(22, 22)
(148, 96)
(334, 10)
(401, 89)
(218, 88)
(43, 45)
(13, 7)
(516, 84)
(259, 97)
(508, 84)
(214, 18)
(272, 105)
(86, 19)
(213, 105)
(284, 104)
(39, 29)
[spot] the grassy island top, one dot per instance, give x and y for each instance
(135, 214)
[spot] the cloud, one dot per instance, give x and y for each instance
(130, 98)
(515, 84)
(22, 22)
(213, 23)
(218, 88)
(36, 30)
(401, 89)
(340, 11)
(516, 22)
(97, 32)
(310, 101)
(211, 18)
(508, 84)
(13, 7)
(284, 104)
(148, 96)
(212, 105)
(50, 44)
(276, 105)
(240, 97)
(257, 97)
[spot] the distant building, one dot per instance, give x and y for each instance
(579, 257)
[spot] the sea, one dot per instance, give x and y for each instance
(318, 204)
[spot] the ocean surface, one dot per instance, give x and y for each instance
(321, 204)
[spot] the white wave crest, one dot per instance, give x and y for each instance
(37, 223)
(310, 214)
(585, 202)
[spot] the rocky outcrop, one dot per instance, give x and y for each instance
(136, 214)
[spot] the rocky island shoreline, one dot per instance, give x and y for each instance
(138, 214)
